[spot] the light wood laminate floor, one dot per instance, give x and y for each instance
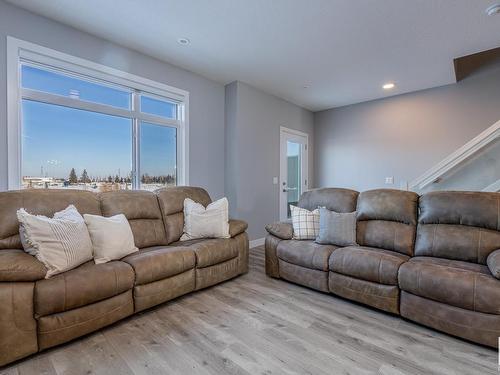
(258, 325)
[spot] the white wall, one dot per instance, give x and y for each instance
(206, 142)
(253, 120)
(234, 130)
(243, 171)
(403, 136)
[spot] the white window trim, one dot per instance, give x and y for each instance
(19, 49)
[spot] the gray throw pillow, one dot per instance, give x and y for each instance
(336, 228)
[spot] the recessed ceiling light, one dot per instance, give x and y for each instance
(494, 9)
(388, 86)
(183, 41)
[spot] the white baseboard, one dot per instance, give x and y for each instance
(257, 242)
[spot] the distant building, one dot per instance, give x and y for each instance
(40, 182)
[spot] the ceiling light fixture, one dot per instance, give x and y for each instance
(388, 86)
(183, 41)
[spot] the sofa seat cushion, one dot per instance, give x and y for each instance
(466, 285)
(186, 243)
(214, 251)
(307, 254)
(160, 262)
(368, 263)
(16, 265)
(81, 286)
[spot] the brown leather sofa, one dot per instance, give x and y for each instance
(38, 313)
(433, 259)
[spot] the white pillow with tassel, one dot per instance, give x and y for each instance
(209, 222)
(61, 243)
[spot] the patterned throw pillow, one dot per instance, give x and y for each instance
(305, 223)
(60, 243)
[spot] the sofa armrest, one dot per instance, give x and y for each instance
(281, 230)
(271, 255)
(493, 262)
(236, 227)
(16, 265)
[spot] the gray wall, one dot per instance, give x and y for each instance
(403, 136)
(253, 120)
(206, 143)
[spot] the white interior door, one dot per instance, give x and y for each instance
(293, 168)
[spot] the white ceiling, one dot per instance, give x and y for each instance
(342, 50)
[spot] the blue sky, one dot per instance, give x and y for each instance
(293, 148)
(57, 138)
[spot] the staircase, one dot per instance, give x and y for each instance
(494, 187)
(474, 166)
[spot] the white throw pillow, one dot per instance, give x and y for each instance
(305, 223)
(210, 222)
(112, 237)
(61, 243)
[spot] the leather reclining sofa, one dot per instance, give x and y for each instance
(433, 259)
(38, 313)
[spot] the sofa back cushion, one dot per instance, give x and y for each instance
(39, 202)
(387, 219)
(171, 201)
(458, 225)
(142, 210)
(334, 199)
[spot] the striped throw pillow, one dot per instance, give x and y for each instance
(60, 243)
(305, 223)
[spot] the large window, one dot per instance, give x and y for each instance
(80, 125)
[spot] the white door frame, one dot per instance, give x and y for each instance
(287, 134)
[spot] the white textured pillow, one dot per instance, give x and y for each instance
(210, 222)
(61, 243)
(305, 223)
(112, 237)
